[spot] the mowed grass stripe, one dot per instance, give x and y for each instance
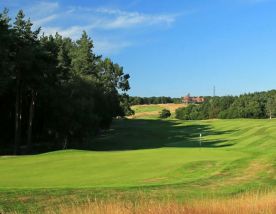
(155, 153)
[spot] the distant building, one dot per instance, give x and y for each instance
(188, 99)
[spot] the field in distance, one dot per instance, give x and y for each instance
(152, 110)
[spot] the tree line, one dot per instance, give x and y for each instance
(134, 100)
(252, 105)
(55, 92)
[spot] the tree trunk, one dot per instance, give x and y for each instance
(30, 125)
(18, 114)
(65, 142)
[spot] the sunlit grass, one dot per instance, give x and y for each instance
(161, 160)
(247, 203)
(152, 110)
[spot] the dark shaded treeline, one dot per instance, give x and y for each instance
(153, 100)
(252, 105)
(54, 91)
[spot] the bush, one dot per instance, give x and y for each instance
(165, 113)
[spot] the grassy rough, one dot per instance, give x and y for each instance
(249, 204)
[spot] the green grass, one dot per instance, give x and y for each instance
(152, 111)
(155, 158)
(146, 108)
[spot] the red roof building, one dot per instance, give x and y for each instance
(188, 99)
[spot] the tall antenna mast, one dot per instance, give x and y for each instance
(214, 91)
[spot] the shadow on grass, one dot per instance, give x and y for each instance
(148, 134)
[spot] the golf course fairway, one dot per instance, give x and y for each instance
(153, 156)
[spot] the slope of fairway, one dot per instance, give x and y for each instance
(94, 169)
(233, 153)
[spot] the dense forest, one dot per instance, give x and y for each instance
(55, 92)
(153, 100)
(252, 105)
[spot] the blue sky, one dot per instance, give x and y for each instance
(172, 47)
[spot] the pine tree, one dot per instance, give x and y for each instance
(83, 59)
(26, 72)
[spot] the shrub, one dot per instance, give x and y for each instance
(165, 113)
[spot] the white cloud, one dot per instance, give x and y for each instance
(42, 13)
(107, 46)
(73, 32)
(43, 8)
(99, 22)
(45, 20)
(124, 19)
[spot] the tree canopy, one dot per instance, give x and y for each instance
(55, 92)
(153, 100)
(252, 105)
